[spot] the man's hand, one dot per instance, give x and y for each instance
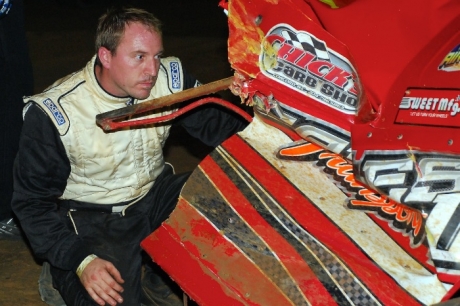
(102, 281)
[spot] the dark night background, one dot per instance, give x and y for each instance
(61, 33)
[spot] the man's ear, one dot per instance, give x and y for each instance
(105, 56)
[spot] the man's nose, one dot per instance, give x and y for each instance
(152, 67)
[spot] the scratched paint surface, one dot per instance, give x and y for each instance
(277, 232)
(377, 244)
(245, 39)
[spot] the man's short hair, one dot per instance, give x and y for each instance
(112, 24)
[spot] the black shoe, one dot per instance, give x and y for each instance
(158, 289)
(9, 229)
(48, 293)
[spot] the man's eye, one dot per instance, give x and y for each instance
(139, 57)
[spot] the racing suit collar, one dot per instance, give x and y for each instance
(97, 88)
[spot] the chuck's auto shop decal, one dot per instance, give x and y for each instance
(430, 107)
(305, 64)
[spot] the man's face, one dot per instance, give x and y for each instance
(133, 68)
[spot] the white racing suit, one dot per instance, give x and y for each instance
(72, 179)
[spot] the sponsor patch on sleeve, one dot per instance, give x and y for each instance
(175, 75)
(54, 110)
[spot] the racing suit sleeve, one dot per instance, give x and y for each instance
(40, 176)
(210, 123)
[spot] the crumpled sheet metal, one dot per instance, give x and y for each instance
(254, 230)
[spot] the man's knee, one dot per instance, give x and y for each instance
(69, 286)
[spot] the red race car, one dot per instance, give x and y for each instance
(343, 189)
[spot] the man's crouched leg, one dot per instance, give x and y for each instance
(48, 293)
(158, 289)
(69, 286)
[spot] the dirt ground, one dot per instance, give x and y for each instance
(60, 35)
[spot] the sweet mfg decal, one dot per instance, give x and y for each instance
(430, 107)
(305, 64)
